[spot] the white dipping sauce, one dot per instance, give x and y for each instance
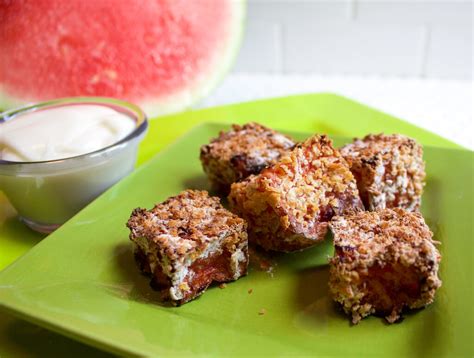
(62, 132)
(46, 194)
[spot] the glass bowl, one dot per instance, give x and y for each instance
(47, 193)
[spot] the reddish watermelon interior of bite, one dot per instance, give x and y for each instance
(133, 50)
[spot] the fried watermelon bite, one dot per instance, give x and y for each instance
(384, 261)
(288, 206)
(240, 152)
(389, 170)
(187, 242)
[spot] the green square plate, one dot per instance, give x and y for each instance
(82, 280)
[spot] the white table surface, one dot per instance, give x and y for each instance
(444, 107)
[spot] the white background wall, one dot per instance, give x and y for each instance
(423, 39)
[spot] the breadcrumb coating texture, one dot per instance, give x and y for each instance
(389, 170)
(180, 238)
(240, 152)
(384, 261)
(287, 206)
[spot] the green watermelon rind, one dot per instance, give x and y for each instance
(163, 107)
(8, 102)
(200, 87)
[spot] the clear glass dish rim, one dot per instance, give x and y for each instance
(140, 127)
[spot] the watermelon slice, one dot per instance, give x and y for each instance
(162, 55)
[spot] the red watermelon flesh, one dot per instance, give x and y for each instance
(160, 54)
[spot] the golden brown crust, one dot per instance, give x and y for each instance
(389, 170)
(288, 205)
(178, 236)
(240, 152)
(384, 261)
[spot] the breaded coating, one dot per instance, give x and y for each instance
(384, 261)
(288, 206)
(187, 242)
(389, 170)
(240, 152)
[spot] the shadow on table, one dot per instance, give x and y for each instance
(20, 338)
(312, 300)
(198, 182)
(139, 283)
